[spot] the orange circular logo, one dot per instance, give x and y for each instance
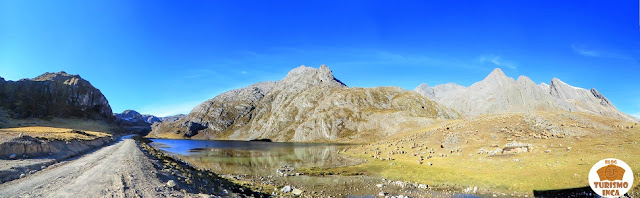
(610, 178)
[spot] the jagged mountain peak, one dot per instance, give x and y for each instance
(425, 90)
(497, 72)
(498, 93)
(558, 82)
(423, 86)
(304, 77)
(523, 78)
(526, 82)
(495, 79)
(564, 91)
(302, 73)
(55, 76)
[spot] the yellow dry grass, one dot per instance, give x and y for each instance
(551, 165)
(52, 133)
(59, 129)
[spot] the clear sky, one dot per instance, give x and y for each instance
(165, 57)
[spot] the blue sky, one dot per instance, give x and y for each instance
(165, 57)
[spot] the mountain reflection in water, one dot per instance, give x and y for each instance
(254, 157)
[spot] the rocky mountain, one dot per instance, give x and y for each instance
(170, 118)
(151, 118)
(498, 93)
(53, 95)
(307, 105)
(131, 118)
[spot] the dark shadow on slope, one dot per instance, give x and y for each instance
(568, 192)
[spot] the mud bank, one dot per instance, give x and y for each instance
(29, 147)
(26, 155)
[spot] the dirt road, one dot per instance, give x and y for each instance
(118, 170)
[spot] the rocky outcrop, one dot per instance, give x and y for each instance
(307, 105)
(53, 95)
(498, 93)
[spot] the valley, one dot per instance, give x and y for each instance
(310, 135)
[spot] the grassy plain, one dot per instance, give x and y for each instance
(556, 162)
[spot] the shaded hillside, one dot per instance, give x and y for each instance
(498, 93)
(307, 105)
(134, 122)
(53, 95)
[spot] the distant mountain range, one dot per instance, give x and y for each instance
(312, 105)
(498, 93)
(135, 122)
(307, 105)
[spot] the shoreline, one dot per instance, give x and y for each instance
(350, 182)
(204, 181)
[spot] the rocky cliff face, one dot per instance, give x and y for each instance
(307, 105)
(53, 95)
(498, 93)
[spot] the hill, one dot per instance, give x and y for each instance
(307, 105)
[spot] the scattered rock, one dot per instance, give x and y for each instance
(286, 189)
(380, 185)
(382, 193)
(171, 184)
(296, 191)
(400, 183)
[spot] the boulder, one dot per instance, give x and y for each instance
(296, 191)
(171, 183)
(286, 189)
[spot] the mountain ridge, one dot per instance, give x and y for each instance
(498, 93)
(308, 104)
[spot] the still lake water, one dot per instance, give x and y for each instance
(264, 158)
(253, 157)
